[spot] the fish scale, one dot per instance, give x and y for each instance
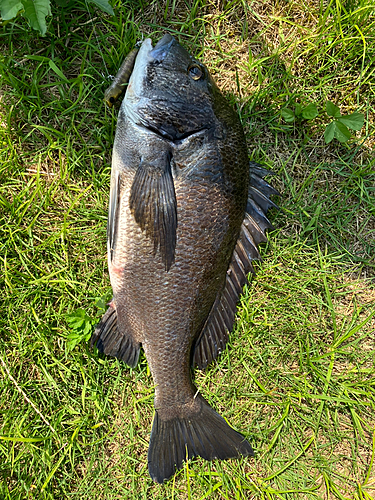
(186, 214)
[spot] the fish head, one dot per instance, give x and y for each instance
(170, 92)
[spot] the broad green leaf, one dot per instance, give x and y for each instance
(102, 303)
(288, 115)
(81, 325)
(354, 121)
(342, 133)
(9, 9)
(87, 328)
(329, 132)
(332, 110)
(310, 111)
(75, 337)
(77, 318)
(76, 323)
(36, 12)
(298, 109)
(57, 70)
(104, 6)
(73, 340)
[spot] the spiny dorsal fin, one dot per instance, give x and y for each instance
(154, 206)
(214, 335)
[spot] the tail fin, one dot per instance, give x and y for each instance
(203, 432)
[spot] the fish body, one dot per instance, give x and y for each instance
(180, 244)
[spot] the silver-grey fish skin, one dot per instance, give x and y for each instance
(179, 188)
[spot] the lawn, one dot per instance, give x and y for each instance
(298, 378)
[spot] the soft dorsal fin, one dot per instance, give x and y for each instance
(154, 206)
(214, 334)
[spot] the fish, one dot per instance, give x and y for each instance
(117, 87)
(187, 212)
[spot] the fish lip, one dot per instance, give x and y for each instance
(134, 91)
(157, 53)
(147, 53)
(162, 48)
(165, 40)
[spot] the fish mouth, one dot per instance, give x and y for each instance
(162, 48)
(147, 54)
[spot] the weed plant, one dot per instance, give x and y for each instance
(298, 377)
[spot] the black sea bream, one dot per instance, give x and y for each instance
(186, 214)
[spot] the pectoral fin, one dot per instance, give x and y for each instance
(154, 206)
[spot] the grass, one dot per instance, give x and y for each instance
(298, 378)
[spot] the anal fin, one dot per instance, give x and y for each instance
(110, 340)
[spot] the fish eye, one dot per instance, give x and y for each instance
(195, 71)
